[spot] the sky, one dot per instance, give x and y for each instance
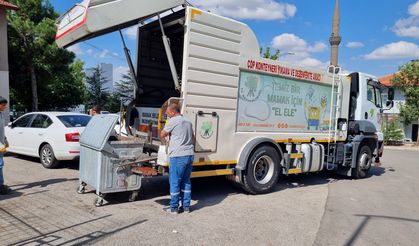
(377, 36)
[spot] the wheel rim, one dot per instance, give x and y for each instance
(263, 170)
(46, 156)
(365, 161)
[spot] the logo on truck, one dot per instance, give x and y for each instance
(252, 88)
(206, 130)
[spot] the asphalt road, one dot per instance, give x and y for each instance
(380, 210)
(322, 209)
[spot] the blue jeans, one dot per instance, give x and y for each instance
(180, 181)
(1, 170)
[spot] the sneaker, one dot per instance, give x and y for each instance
(184, 210)
(4, 190)
(170, 210)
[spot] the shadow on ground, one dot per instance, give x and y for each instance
(211, 191)
(367, 218)
(40, 184)
(207, 192)
(53, 237)
(35, 160)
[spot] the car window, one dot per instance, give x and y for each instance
(74, 120)
(41, 121)
(23, 121)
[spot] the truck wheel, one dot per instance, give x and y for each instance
(262, 170)
(363, 162)
(47, 156)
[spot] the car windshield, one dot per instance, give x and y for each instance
(74, 120)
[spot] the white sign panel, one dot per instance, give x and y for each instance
(270, 103)
(148, 115)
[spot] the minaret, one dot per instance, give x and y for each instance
(335, 39)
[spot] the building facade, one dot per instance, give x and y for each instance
(410, 130)
(4, 54)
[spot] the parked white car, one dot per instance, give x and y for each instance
(52, 136)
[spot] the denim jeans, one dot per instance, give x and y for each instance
(1, 170)
(180, 181)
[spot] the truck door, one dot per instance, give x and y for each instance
(373, 105)
(206, 132)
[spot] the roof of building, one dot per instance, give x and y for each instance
(6, 5)
(386, 80)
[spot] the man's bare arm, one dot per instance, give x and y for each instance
(163, 134)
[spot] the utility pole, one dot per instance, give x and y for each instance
(335, 39)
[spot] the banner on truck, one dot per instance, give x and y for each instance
(146, 116)
(270, 103)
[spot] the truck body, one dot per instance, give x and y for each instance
(254, 118)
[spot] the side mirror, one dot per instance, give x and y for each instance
(10, 125)
(389, 105)
(390, 94)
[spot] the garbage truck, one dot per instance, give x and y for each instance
(255, 119)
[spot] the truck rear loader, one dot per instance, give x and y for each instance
(254, 119)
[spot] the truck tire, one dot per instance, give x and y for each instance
(363, 162)
(47, 157)
(263, 170)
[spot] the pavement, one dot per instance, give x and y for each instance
(408, 147)
(314, 209)
(380, 210)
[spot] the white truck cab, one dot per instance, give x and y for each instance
(368, 105)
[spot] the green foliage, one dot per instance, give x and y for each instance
(267, 54)
(393, 132)
(408, 80)
(125, 88)
(57, 80)
(113, 103)
(97, 93)
(65, 88)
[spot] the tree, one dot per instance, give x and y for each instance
(113, 103)
(97, 93)
(125, 88)
(42, 75)
(393, 134)
(267, 54)
(408, 80)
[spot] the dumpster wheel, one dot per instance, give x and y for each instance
(99, 200)
(133, 196)
(82, 188)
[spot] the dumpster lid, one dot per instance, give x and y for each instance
(98, 131)
(92, 18)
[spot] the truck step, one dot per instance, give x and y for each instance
(210, 173)
(297, 156)
(295, 171)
